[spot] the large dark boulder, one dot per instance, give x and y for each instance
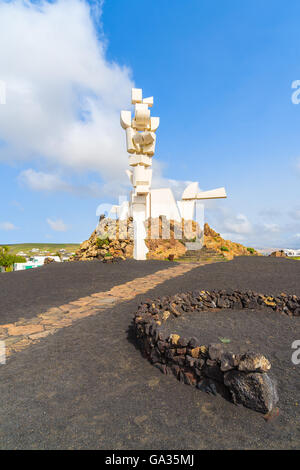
(253, 390)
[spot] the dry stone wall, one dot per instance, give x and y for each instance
(240, 377)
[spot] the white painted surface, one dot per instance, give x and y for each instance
(163, 203)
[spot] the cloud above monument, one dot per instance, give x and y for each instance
(63, 95)
(7, 226)
(57, 225)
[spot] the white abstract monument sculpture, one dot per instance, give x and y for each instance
(140, 139)
(144, 201)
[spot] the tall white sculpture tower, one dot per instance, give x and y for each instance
(146, 203)
(140, 139)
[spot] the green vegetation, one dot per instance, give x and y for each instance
(224, 248)
(7, 259)
(47, 248)
(225, 340)
(102, 242)
(294, 257)
(251, 250)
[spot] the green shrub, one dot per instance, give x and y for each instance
(224, 248)
(251, 250)
(102, 242)
(7, 260)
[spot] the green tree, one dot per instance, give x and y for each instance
(7, 260)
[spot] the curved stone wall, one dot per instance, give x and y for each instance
(241, 377)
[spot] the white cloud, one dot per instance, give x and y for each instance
(57, 225)
(270, 213)
(274, 228)
(63, 96)
(238, 224)
(295, 214)
(53, 182)
(41, 181)
(7, 226)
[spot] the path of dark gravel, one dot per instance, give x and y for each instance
(27, 293)
(89, 387)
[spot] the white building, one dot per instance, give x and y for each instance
(34, 262)
(289, 252)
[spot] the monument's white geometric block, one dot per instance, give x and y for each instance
(125, 119)
(144, 202)
(136, 95)
(142, 176)
(163, 203)
(123, 210)
(154, 123)
(130, 133)
(148, 101)
(148, 137)
(141, 119)
(140, 160)
(150, 149)
(187, 209)
(218, 193)
(139, 217)
(130, 175)
(190, 191)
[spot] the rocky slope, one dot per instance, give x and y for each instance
(114, 239)
(229, 249)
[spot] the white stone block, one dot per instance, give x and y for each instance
(163, 203)
(187, 209)
(142, 116)
(141, 176)
(125, 119)
(139, 217)
(218, 193)
(130, 175)
(140, 160)
(154, 123)
(136, 95)
(148, 101)
(190, 191)
(130, 133)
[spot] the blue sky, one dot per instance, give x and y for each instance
(221, 74)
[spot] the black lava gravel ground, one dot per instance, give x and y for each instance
(27, 293)
(88, 386)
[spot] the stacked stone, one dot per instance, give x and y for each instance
(49, 260)
(163, 228)
(210, 367)
(111, 241)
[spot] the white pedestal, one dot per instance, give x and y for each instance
(139, 217)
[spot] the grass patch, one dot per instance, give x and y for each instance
(225, 340)
(102, 242)
(46, 247)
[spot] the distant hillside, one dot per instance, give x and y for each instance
(42, 247)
